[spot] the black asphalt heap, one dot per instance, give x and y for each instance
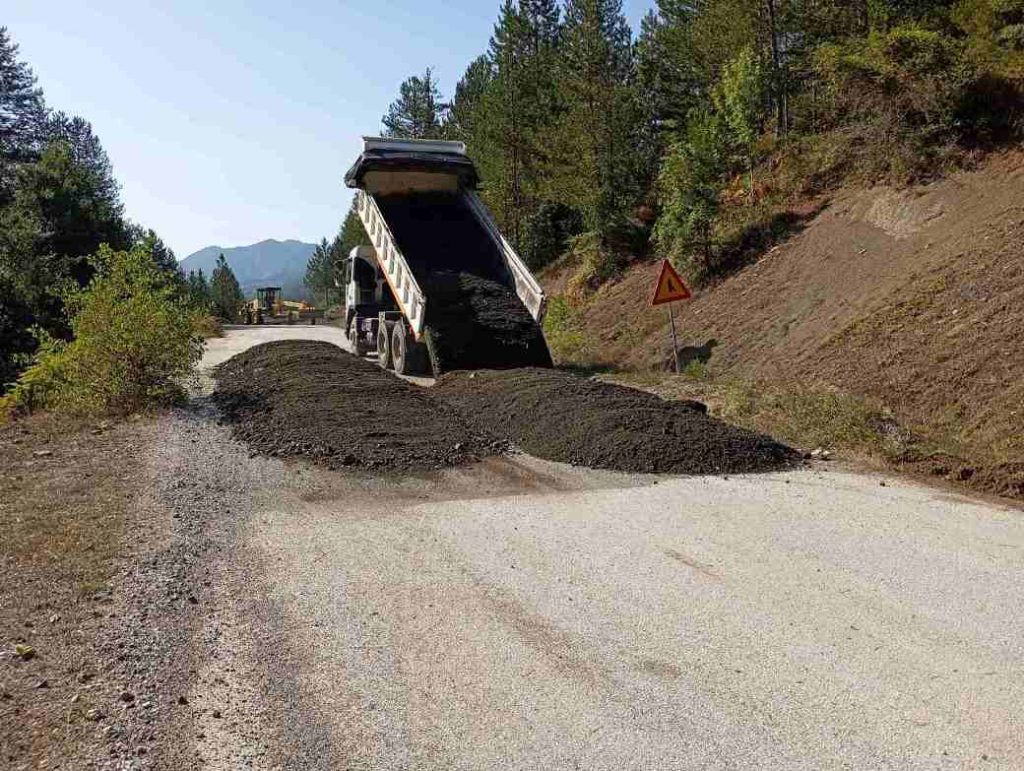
(311, 399)
(562, 417)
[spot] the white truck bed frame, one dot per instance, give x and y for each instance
(410, 297)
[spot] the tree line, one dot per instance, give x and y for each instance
(84, 291)
(687, 139)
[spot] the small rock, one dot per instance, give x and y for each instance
(216, 713)
(127, 696)
(54, 618)
(43, 453)
(182, 700)
(75, 699)
(93, 715)
(43, 684)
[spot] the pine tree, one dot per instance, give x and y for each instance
(602, 142)
(199, 296)
(688, 185)
(319, 278)
(418, 113)
(520, 106)
(465, 116)
(225, 293)
(739, 100)
(351, 235)
(22, 109)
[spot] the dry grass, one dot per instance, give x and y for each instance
(65, 491)
(856, 428)
(802, 416)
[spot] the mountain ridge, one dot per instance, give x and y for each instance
(270, 262)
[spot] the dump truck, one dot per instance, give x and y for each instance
(438, 288)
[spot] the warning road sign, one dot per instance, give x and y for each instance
(671, 286)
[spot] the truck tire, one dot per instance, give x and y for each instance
(406, 354)
(356, 340)
(384, 346)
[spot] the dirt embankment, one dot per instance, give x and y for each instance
(562, 417)
(311, 399)
(913, 299)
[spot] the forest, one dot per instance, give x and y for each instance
(95, 314)
(695, 137)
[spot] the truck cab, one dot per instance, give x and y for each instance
(368, 298)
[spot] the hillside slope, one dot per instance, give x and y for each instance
(268, 263)
(914, 298)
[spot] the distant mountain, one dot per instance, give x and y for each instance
(268, 263)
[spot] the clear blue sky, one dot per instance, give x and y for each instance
(229, 122)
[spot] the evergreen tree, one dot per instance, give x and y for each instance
(520, 106)
(418, 112)
(466, 114)
(688, 184)
(351, 235)
(225, 293)
(601, 137)
(61, 213)
(319, 278)
(22, 109)
(199, 295)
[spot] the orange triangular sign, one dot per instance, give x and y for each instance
(671, 286)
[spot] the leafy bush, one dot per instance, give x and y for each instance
(907, 97)
(134, 344)
(563, 330)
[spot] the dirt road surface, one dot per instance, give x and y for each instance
(520, 614)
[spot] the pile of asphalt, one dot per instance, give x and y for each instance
(563, 417)
(312, 399)
(474, 319)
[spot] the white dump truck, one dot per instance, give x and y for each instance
(438, 288)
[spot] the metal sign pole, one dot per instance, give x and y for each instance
(675, 346)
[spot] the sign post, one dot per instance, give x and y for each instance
(669, 289)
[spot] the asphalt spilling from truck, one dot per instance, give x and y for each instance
(313, 400)
(474, 318)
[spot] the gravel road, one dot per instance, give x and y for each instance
(527, 615)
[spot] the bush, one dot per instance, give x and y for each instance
(911, 98)
(134, 344)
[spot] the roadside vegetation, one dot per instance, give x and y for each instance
(707, 137)
(95, 316)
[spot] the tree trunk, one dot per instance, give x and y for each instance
(779, 85)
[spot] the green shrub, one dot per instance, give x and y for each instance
(134, 344)
(563, 330)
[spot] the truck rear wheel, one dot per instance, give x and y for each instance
(384, 346)
(408, 355)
